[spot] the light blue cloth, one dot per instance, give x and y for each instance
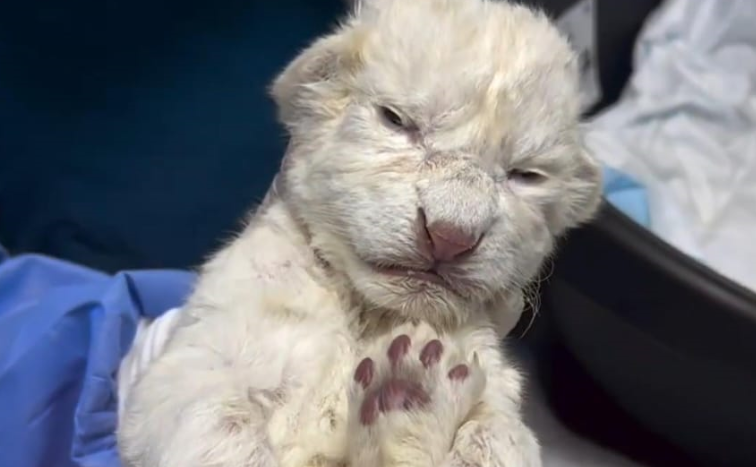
(627, 195)
(64, 330)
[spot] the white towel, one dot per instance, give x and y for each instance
(686, 129)
(149, 343)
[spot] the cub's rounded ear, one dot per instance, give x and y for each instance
(315, 83)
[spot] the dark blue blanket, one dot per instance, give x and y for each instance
(135, 133)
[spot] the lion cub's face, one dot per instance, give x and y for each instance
(434, 150)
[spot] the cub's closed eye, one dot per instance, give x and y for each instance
(529, 177)
(392, 118)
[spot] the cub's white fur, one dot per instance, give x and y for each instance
(483, 138)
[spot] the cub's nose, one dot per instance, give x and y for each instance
(444, 241)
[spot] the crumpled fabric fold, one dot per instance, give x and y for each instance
(63, 332)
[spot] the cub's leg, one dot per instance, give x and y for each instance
(208, 400)
(194, 408)
(408, 400)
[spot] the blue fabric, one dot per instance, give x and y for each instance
(627, 195)
(63, 331)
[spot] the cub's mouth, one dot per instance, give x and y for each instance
(429, 277)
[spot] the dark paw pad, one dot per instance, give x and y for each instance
(459, 372)
(394, 394)
(398, 349)
(365, 372)
(431, 353)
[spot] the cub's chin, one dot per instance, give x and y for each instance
(412, 293)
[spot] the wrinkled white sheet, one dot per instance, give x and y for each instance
(686, 128)
(150, 341)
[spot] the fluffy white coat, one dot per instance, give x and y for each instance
(411, 114)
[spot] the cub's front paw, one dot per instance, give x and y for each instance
(407, 403)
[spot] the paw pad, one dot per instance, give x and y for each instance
(365, 372)
(431, 353)
(398, 349)
(459, 372)
(393, 394)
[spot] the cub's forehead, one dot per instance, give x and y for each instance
(494, 66)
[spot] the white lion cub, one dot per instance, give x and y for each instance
(434, 157)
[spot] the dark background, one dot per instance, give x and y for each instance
(134, 134)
